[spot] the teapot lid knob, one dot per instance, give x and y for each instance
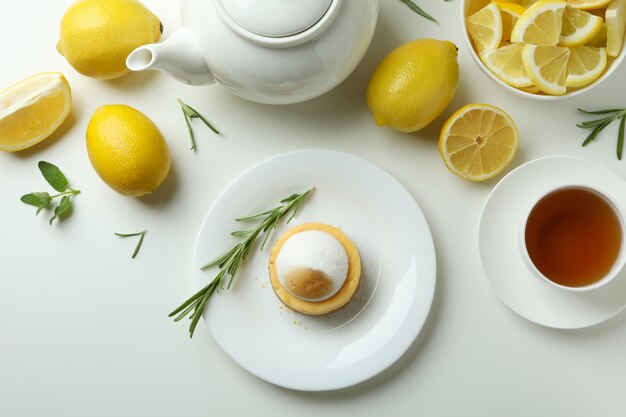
(276, 18)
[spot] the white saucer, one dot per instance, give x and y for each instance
(500, 223)
(389, 309)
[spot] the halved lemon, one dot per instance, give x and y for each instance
(615, 23)
(478, 141)
(506, 64)
(547, 67)
(509, 12)
(579, 27)
(32, 109)
(588, 4)
(485, 28)
(585, 65)
(540, 24)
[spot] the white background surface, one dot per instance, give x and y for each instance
(84, 329)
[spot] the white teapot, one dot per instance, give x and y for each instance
(268, 51)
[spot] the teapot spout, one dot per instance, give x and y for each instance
(178, 56)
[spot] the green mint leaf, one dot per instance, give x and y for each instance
(53, 175)
(36, 199)
(62, 208)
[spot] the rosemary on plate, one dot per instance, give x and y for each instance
(599, 124)
(228, 263)
(190, 113)
(141, 236)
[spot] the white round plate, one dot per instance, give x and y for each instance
(397, 284)
(500, 224)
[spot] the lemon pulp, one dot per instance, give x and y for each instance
(32, 110)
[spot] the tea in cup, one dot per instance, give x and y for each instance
(572, 238)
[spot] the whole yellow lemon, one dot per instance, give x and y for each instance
(413, 84)
(127, 150)
(97, 35)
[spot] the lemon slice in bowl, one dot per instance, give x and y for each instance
(588, 4)
(509, 13)
(585, 65)
(540, 24)
(531, 90)
(547, 67)
(615, 23)
(478, 141)
(579, 27)
(599, 40)
(32, 109)
(506, 64)
(485, 28)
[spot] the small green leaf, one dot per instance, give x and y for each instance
(241, 233)
(53, 175)
(600, 111)
(592, 136)
(62, 208)
(620, 138)
(290, 198)
(36, 199)
(593, 123)
(414, 7)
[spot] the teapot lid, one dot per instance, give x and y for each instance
(276, 18)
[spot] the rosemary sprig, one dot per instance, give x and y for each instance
(190, 113)
(414, 7)
(599, 124)
(229, 262)
(141, 234)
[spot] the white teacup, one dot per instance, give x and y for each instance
(619, 262)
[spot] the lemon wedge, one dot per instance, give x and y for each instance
(615, 23)
(579, 27)
(524, 3)
(32, 109)
(585, 65)
(478, 141)
(509, 13)
(532, 89)
(588, 4)
(599, 40)
(547, 67)
(540, 24)
(506, 64)
(485, 28)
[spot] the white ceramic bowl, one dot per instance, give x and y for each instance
(607, 73)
